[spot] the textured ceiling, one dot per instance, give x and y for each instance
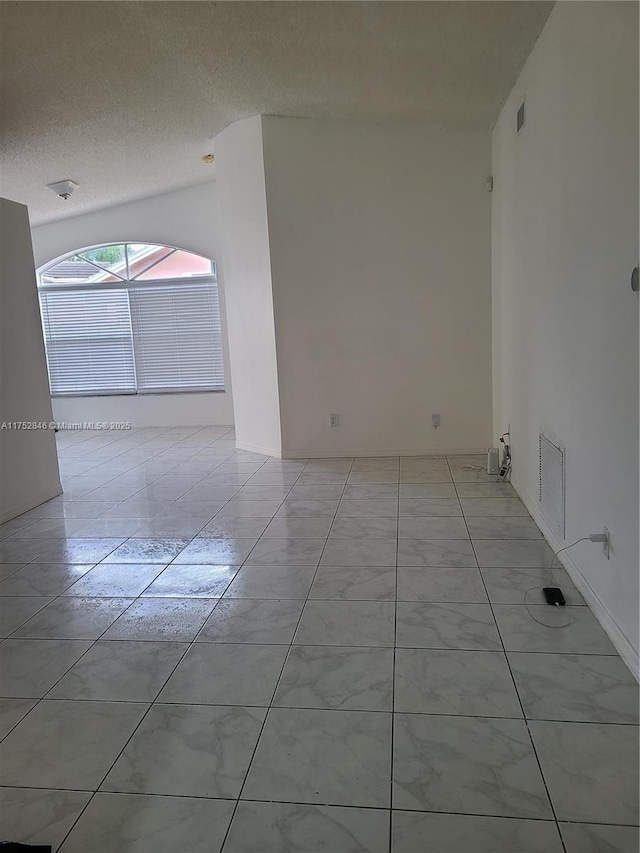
(125, 97)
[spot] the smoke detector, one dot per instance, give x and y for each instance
(64, 189)
(208, 158)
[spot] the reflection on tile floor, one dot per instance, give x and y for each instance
(211, 650)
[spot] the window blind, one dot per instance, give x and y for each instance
(177, 337)
(88, 342)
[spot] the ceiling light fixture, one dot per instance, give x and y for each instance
(208, 158)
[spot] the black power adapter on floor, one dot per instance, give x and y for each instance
(554, 596)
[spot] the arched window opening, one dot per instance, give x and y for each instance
(131, 318)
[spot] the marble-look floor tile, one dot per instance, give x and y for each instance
(187, 510)
(11, 712)
(74, 618)
(596, 838)
(308, 507)
(286, 552)
(49, 528)
(365, 528)
(226, 674)
(43, 579)
(164, 619)
(591, 770)
(109, 580)
(432, 681)
(433, 527)
(375, 463)
(503, 527)
(237, 508)
(298, 528)
(79, 551)
(308, 478)
(147, 551)
(114, 823)
(355, 583)
(28, 668)
(417, 476)
(137, 508)
(520, 633)
(448, 833)
(324, 757)
(493, 506)
(271, 582)
(205, 550)
(8, 528)
(252, 621)
(455, 553)
(429, 584)
(109, 528)
(316, 491)
(359, 552)
(509, 586)
(234, 528)
(157, 528)
(188, 750)
(362, 478)
(427, 490)
(65, 744)
(7, 570)
(446, 626)
(515, 553)
(15, 611)
(370, 491)
(470, 765)
(37, 816)
(419, 507)
(346, 623)
(120, 671)
(337, 677)
(287, 828)
(370, 508)
(262, 493)
(579, 688)
(485, 490)
(184, 581)
(26, 550)
(472, 474)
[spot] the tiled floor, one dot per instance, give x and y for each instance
(211, 650)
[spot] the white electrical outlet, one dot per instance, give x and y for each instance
(334, 420)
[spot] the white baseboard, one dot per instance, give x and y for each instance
(393, 451)
(256, 448)
(625, 648)
(15, 511)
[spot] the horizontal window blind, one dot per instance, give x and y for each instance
(177, 337)
(88, 342)
(104, 336)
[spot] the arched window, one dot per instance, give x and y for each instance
(131, 318)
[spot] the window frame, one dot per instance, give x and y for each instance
(128, 285)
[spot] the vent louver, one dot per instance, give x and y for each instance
(551, 495)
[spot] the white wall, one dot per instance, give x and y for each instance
(28, 462)
(380, 258)
(247, 272)
(186, 218)
(565, 239)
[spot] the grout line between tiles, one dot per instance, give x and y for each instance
(515, 686)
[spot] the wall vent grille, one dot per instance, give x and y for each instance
(551, 496)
